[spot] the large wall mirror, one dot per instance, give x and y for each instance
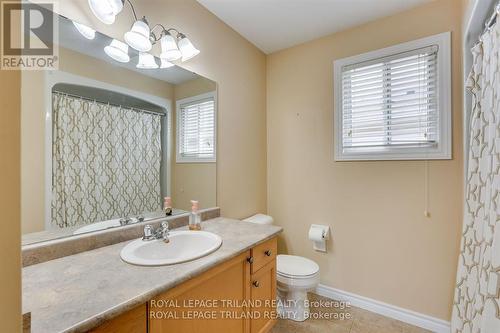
(104, 139)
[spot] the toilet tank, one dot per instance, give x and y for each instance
(260, 219)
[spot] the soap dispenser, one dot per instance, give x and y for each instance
(195, 216)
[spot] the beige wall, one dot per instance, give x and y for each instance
(10, 185)
(383, 247)
(193, 181)
(239, 69)
(32, 151)
(33, 123)
(194, 87)
(10, 229)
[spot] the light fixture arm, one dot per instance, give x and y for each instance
(154, 38)
(164, 32)
(158, 25)
(132, 7)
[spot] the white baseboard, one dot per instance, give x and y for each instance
(391, 311)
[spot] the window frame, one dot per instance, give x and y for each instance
(443, 150)
(190, 100)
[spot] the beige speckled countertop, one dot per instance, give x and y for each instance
(79, 292)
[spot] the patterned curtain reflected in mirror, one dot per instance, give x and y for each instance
(105, 161)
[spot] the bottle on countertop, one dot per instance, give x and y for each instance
(195, 216)
(167, 206)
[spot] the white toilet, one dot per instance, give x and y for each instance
(295, 277)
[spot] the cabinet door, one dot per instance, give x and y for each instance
(263, 295)
(133, 321)
(178, 314)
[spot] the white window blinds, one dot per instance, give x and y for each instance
(391, 101)
(196, 131)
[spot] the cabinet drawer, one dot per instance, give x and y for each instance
(263, 254)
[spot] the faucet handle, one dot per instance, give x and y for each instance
(165, 232)
(148, 232)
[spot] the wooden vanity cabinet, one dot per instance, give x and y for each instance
(133, 321)
(250, 277)
(227, 281)
(248, 281)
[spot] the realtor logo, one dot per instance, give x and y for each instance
(29, 36)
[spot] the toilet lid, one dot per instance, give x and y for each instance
(295, 266)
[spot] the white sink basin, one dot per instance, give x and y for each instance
(183, 246)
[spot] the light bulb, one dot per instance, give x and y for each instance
(86, 31)
(169, 49)
(146, 61)
(106, 10)
(165, 63)
(138, 36)
(118, 51)
(187, 48)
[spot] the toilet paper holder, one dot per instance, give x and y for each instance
(319, 234)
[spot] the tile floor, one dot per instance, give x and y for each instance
(347, 320)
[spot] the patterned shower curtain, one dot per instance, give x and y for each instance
(476, 307)
(105, 161)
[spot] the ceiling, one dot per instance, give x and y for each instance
(273, 25)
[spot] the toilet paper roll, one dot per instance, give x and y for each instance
(316, 234)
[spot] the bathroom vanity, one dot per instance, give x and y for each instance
(231, 290)
(235, 296)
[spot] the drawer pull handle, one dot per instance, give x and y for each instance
(268, 253)
(250, 260)
(256, 284)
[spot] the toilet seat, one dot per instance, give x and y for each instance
(295, 266)
(295, 271)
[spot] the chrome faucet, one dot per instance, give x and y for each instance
(161, 233)
(125, 221)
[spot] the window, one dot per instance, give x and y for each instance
(394, 103)
(196, 129)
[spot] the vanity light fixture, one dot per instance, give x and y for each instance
(86, 31)
(106, 10)
(138, 36)
(141, 37)
(146, 61)
(118, 51)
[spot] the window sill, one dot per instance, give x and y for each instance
(195, 161)
(392, 156)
